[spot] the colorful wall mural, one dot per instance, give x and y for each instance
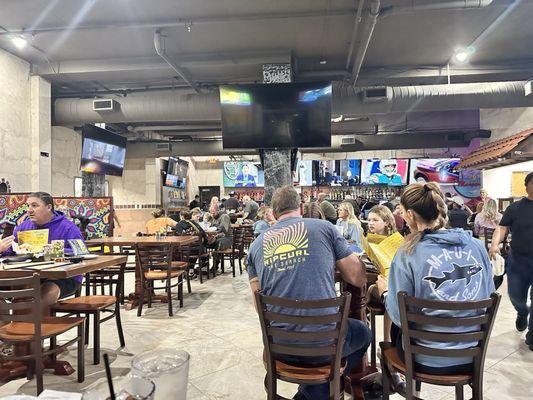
(94, 212)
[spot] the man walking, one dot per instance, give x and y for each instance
(518, 218)
(296, 259)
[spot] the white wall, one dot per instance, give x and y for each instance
(504, 122)
(66, 156)
(25, 112)
(497, 181)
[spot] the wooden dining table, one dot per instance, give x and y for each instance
(10, 370)
(132, 241)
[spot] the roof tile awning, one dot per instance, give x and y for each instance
(500, 152)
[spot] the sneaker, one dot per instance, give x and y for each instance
(529, 340)
(521, 323)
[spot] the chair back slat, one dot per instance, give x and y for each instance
(451, 322)
(302, 320)
(302, 304)
(445, 353)
(414, 317)
(302, 337)
(305, 336)
(15, 294)
(446, 337)
(305, 351)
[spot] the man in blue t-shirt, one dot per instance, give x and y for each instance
(296, 259)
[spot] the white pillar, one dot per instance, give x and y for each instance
(41, 134)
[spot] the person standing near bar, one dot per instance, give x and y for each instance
(295, 252)
(518, 219)
(327, 208)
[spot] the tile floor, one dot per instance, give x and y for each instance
(219, 328)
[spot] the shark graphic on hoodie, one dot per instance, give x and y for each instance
(447, 265)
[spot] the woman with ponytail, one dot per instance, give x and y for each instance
(435, 263)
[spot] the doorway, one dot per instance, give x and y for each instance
(207, 192)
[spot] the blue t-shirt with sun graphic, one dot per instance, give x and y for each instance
(296, 258)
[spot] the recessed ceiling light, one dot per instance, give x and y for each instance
(19, 42)
(323, 62)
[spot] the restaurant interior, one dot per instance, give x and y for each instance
(149, 152)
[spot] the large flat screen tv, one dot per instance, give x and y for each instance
(440, 170)
(176, 173)
(103, 152)
(280, 115)
(392, 172)
(243, 174)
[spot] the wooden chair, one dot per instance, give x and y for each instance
(330, 372)
(413, 320)
(155, 263)
(179, 263)
(21, 310)
(194, 253)
(234, 252)
(96, 304)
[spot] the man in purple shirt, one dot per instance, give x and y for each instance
(41, 215)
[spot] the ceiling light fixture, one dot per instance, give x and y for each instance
(19, 41)
(462, 55)
(323, 62)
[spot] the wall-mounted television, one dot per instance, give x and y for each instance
(304, 173)
(243, 174)
(440, 170)
(176, 173)
(103, 152)
(391, 172)
(280, 115)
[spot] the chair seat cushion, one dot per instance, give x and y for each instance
(85, 303)
(391, 356)
(50, 326)
(293, 372)
(154, 275)
(179, 264)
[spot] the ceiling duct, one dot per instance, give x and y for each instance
(167, 106)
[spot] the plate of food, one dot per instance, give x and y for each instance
(18, 259)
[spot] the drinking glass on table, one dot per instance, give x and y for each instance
(125, 388)
(169, 369)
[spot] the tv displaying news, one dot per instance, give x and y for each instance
(103, 152)
(350, 171)
(176, 173)
(440, 170)
(391, 172)
(280, 115)
(243, 174)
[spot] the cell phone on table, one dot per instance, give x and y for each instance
(8, 230)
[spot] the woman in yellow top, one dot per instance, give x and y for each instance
(159, 223)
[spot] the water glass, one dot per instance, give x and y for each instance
(125, 388)
(169, 369)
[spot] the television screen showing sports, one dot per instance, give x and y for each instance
(439, 170)
(243, 174)
(391, 172)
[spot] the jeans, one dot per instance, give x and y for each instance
(358, 338)
(520, 280)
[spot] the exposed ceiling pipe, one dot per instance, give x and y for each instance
(159, 43)
(368, 30)
(360, 143)
(175, 128)
(429, 5)
(174, 106)
(187, 21)
(356, 24)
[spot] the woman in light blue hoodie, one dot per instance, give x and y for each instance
(436, 263)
